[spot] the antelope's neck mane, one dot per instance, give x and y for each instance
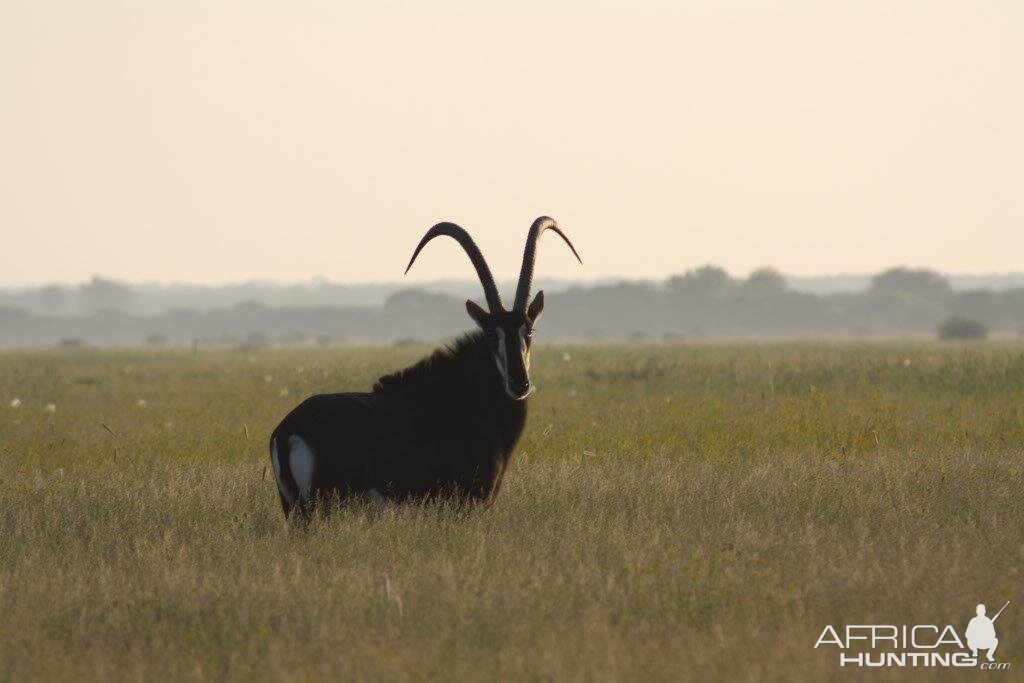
(463, 365)
(460, 382)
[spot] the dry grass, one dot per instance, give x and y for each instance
(680, 512)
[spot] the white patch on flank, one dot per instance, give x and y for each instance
(277, 473)
(302, 460)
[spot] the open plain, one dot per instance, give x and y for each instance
(677, 511)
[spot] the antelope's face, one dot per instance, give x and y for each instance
(509, 335)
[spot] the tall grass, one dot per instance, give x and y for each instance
(674, 512)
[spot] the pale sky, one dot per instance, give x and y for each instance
(204, 141)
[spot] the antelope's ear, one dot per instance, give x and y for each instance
(478, 314)
(536, 307)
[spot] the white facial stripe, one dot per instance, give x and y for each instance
(500, 358)
(524, 347)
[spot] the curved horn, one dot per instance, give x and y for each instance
(482, 271)
(530, 256)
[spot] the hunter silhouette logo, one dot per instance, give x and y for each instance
(981, 632)
(919, 645)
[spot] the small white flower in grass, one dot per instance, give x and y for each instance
(906, 362)
(141, 403)
(566, 357)
(15, 403)
(300, 369)
(51, 408)
(268, 379)
(283, 392)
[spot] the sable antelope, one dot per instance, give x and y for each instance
(444, 426)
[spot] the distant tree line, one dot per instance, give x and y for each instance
(702, 303)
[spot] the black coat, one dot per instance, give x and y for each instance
(441, 427)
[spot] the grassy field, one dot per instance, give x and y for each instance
(689, 512)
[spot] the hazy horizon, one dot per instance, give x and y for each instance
(225, 142)
(957, 280)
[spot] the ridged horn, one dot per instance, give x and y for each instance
(482, 271)
(530, 256)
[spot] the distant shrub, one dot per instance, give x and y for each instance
(409, 341)
(328, 340)
(962, 328)
(156, 340)
(71, 343)
(254, 341)
(294, 338)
